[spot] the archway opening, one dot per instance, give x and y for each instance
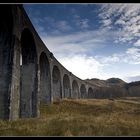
(90, 93)
(57, 93)
(66, 86)
(6, 58)
(75, 89)
(28, 91)
(45, 89)
(83, 91)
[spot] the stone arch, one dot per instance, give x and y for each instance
(75, 89)
(90, 93)
(28, 64)
(57, 93)
(45, 84)
(66, 86)
(6, 58)
(83, 91)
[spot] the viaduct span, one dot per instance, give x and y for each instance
(29, 73)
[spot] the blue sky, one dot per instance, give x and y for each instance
(91, 40)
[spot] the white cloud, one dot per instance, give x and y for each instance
(82, 66)
(120, 22)
(106, 23)
(83, 23)
(63, 25)
(137, 43)
(127, 16)
(134, 55)
(130, 56)
(79, 42)
(108, 60)
(58, 25)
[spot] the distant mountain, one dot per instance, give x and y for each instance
(97, 82)
(106, 83)
(115, 81)
(114, 87)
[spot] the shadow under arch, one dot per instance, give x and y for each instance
(57, 93)
(90, 93)
(83, 91)
(66, 86)
(75, 89)
(45, 81)
(28, 86)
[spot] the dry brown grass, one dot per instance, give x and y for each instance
(79, 118)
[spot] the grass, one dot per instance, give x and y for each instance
(92, 117)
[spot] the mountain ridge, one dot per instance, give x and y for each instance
(114, 87)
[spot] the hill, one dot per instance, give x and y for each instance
(114, 87)
(106, 83)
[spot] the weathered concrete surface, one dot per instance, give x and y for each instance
(15, 87)
(6, 56)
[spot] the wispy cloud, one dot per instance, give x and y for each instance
(79, 42)
(82, 23)
(134, 55)
(130, 56)
(137, 43)
(126, 17)
(63, 25)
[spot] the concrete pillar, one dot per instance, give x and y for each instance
(15, 82)
(6, 59)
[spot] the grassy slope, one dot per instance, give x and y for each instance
(80, 118)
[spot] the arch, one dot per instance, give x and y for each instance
(83, 91)
(28, 90)
(57, 93)
(6, 58)
(45, 84)
(90, 93)
(75, 89)
(66, 86)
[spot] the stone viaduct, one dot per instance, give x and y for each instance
(29, 72)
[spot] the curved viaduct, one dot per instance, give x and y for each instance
(29, 73)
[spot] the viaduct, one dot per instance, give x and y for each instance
(29, 73)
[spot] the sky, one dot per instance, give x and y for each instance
(91, 40)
